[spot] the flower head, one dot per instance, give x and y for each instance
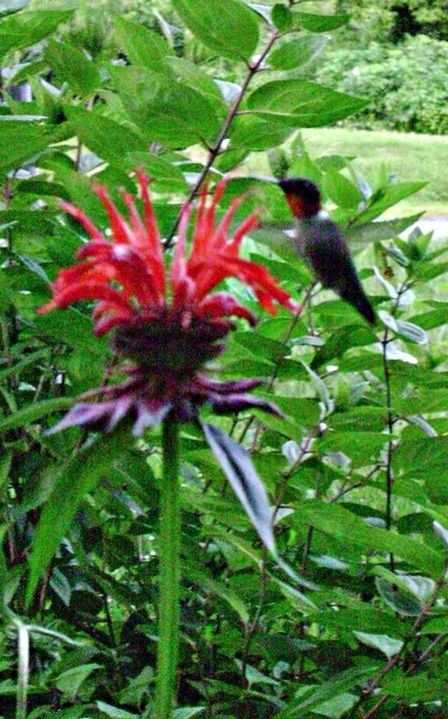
(166, 324)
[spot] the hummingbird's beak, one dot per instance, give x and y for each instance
(263, 178)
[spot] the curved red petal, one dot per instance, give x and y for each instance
(121, 232)
(90, 291)
(223, 304)
(82, 218)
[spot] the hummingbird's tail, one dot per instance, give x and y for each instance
(357, 297)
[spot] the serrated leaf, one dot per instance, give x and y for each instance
(21, 142)
(337, 685)
(378, 231)
(341, 523)
(299, 103)
(255, 134)
(387, 197)
(34, 412)
(341, 341)
(172, 113)
(70, 65)
(27, 28)
(339, 189)
(142, 46)
(229, 28)
(319, 23)
(105, 137)
(298, 52)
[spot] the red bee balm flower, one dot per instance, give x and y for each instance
(166, 329)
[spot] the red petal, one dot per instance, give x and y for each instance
(82, 218)
(151, 226)
(223, 304)
(121, 232)
(91, 291)
(249, 224)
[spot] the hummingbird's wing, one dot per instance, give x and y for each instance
(327, 252)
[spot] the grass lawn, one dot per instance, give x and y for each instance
(408, 156)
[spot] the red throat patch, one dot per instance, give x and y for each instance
(300, 207)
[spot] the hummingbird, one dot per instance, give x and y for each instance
(321, 243)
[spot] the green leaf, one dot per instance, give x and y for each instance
(339, 189)
(229, 29)
(27, 360)
(416, 689)
(167, 111)
(27, 28)
(378, 231)
(400, 600)
(382, 642)
(422, 459)
(298, 52)
(298, 103)
(21, 142)
(342, 340)
(80, 475)
(255, 134)
(103, 136)
(186, 712)
(193, 574)
(387, 197)
(72, 66)
(166, 176)
(366, 618)
(319, 23)
(411, 332)
(70, 681)
(327, 690)
(113, 712)
(36, 411)
(341, 523)
(142, 46)
(262, 347)
(281, 17)
(187, 73)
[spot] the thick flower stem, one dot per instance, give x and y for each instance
(169, 582)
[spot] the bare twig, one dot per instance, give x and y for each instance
(214, 150)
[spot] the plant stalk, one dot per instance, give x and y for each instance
(169, 578)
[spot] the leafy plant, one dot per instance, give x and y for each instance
(350, 619)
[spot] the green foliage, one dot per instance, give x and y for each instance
(405, 83)
(351, 619)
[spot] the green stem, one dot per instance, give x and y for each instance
(169, 581)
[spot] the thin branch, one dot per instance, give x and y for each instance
(393, 661)
(390, 418)
(215, 149)
(275, 371)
